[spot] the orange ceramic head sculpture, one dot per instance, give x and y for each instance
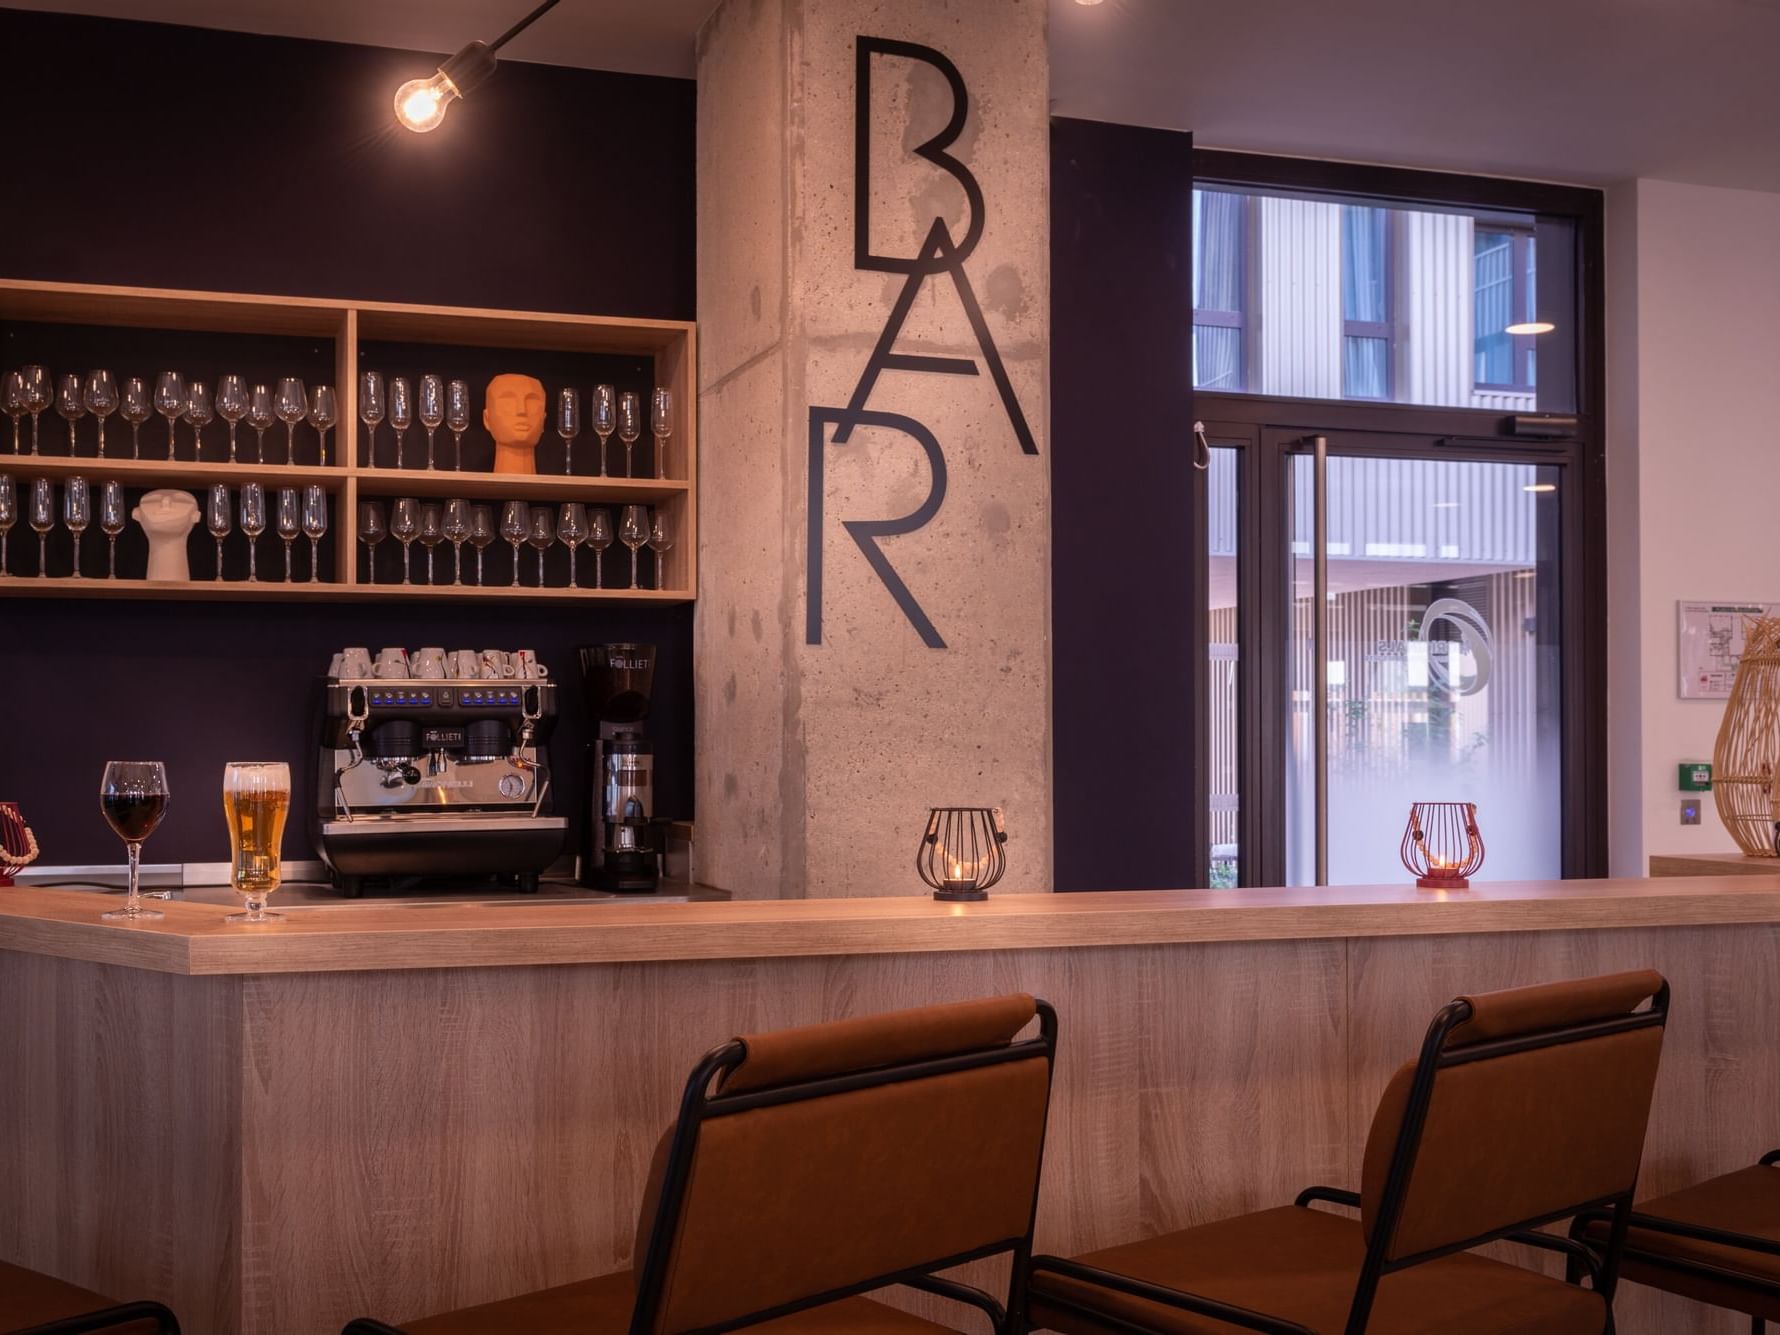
(513, 412)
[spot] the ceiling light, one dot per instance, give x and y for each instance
(1531, 327)
(1540, 486)
(420, 104)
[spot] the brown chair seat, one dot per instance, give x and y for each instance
(603, 1307)
(28, 1299)
(1302, 1264)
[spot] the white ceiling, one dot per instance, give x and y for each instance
(1570, 90)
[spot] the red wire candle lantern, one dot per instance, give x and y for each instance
(1442, 847)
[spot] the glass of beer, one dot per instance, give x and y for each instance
(256, 800)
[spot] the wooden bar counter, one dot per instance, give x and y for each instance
(393, 1110)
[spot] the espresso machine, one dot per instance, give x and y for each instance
(439, 778)
(620, 849)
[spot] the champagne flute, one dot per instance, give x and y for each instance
(289, 519)
(112, 510)
(256, 801)
(133, 797)
(37, 395)
(70, 405)
(231, 405)
(661, 423)
(323, 413)
(481, 534)
(599, 537)
(456, 528)
(101, 401)
(9, 515)
(661, 538)
(217, 518)
(630, 426)
(77, 513)
(260, 416)
(401, 413)
(315, 523)
(457, 417)
(404, 527)
(568, 425)
(15, 404)
(432, 412)
(571, 527)
(42, 518)
(291, 406)
(371, 530)
(432, 533)
(200, 413)
(170, 403)
(516, 527)
(541, 533)
(633, 532)
(370, 411)
(605, 419)
(136, 410)
(253, 523)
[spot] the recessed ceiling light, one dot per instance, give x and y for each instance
(1531, 327)
(1540, 486)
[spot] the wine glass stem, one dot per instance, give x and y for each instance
(290, 442)
(603, 439)
(572, 572)
(33, 433)
(630, 449)
(661, 456)
(515, 565)
(540, 567)
(405, 578)
(133, 899)
(323, 434)
(3, 536)
(219, 543)
(287, 574)
(633, 567)
(314, 560)
(457, 563)
(72, 450)
(43, 556)
(172, 440)
(401, 440)
(232, 442)
(429, 448)
(457, 451)
(599, 563)
(253, 556)
(77, 532)
(479, 567)
(135, 440)
(111, 564)
(568, 455)
(429, 565)
(101, 437)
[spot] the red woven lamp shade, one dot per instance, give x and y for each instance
(1442, 846)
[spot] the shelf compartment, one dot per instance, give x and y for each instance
(148, 473)
(300, 591)
(443, 483)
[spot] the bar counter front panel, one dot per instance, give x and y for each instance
(399, 1110)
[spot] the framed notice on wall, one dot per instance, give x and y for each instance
(1710, 640)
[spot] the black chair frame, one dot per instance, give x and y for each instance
(108, 1318)
(1434, 1058)
(698, 1104)
(1725, 1237)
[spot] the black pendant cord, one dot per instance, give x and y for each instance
(522, 25)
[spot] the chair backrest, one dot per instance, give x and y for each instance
(836, 1158)
(1525, 1106)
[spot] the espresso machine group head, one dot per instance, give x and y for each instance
(621, 851)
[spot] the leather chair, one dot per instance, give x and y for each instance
(34, 1304)
(826, 1162)
(1524, 1108)
(1716, 1242)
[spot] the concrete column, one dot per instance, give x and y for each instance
(873, 616)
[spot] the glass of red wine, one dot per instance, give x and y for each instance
(133, 796)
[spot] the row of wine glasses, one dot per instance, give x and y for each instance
(31, 390)
(77, 513)
(294, 514)
(575, 525)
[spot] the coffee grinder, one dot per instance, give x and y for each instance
(619, 846)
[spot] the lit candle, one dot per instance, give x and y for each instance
(956, 880)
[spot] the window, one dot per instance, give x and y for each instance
(1219, 285)
(1365, 304)
(1506, 264)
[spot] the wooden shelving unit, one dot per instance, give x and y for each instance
(670, 346)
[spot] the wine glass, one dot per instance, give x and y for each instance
(633, 532)
(42, 518)
(231, 405)
(516, 527)
(15, 404)
(217, 518)
(370, 410)
(568, 424)
(323, 413)
(571, 527)
(170, 403)
(315, 523)
(404, 527)
(401, 412)
(661, 538)
(200, 413)
(77, 513)
(457, 417)
(70, 405)
(260, 415)
(112, 510)
(37, 394)
(289, 519)
(599, 537)
(432, 533)
(605, 419)
(456, 528)
(253, 523)
(9, 515)
(432, 410)
(256, 801)
(661, 423)
(630, 426)
(136, 411)
(291, 406)
(133, 797)
(541, 533)
(101, 401)
(481, 534)
(371, 530)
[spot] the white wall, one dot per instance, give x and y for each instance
(1693, 474)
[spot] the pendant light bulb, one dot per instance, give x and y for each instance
(421, 103)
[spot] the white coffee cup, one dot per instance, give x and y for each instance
(496, 665)
(429, 664)
(526, 664)
(465, 664)
(355, 664)
(392, 664)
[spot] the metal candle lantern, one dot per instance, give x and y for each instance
(963, 852)
(1442, 846)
